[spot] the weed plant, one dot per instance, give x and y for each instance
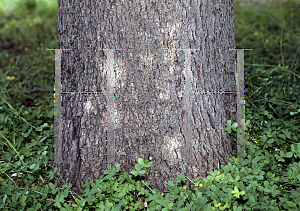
(270, 182)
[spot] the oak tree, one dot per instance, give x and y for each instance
(155, 79)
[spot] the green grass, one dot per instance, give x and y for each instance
(272, 73)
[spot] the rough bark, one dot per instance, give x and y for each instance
(155, 114)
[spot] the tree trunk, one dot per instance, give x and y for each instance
(163, 91)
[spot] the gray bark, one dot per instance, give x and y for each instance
(155, 112)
